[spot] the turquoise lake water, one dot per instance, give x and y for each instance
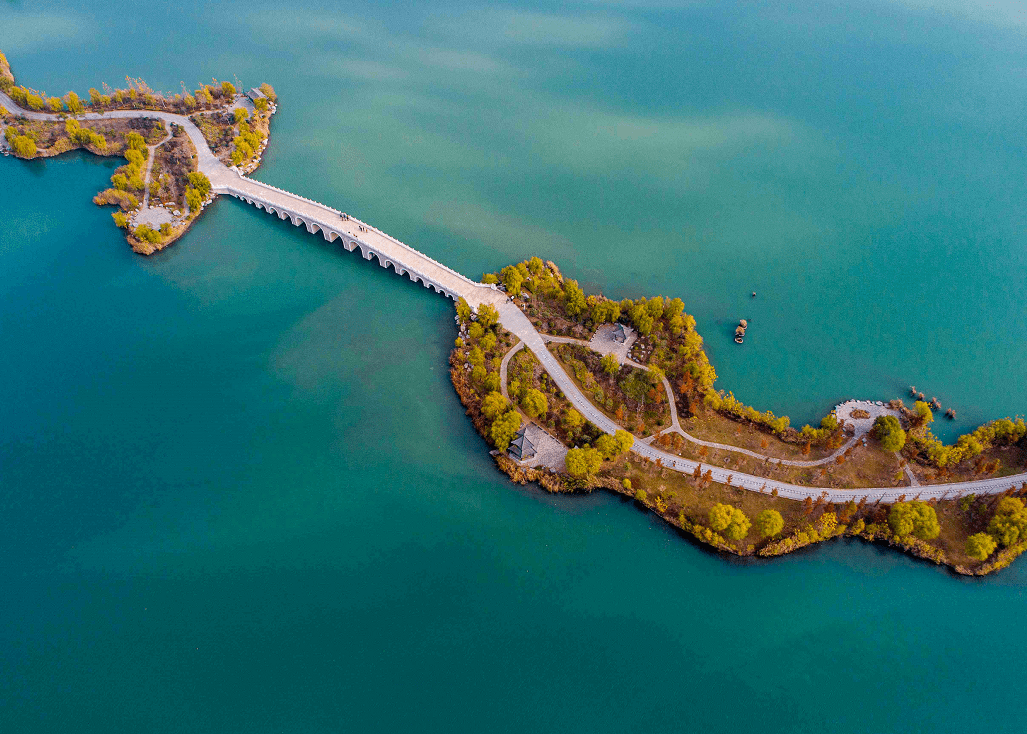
(238, 494)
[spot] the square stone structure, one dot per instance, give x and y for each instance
(548, 451)
(607, 340)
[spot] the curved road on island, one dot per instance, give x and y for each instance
(332, 223)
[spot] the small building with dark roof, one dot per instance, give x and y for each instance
(255, 94)
(521, 448)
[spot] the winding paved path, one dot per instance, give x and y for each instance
(149, 168)
(504, 368)
(404, 259)
(675, 425)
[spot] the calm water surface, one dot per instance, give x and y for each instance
(237, 492)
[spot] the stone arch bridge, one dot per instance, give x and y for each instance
(354, 234)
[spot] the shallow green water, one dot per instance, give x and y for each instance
(237, 492)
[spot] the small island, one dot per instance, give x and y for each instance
(160, 191)
(573, 391)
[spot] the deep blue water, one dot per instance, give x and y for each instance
(237, 492)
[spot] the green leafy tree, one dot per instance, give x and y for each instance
(738, 529)
(1009, 523)
(673, 309)
(641, 317)
(228, 89)
(488, 342)
(624, 441)
(610, 364)
(573, 420)
(607, 446)
(73, 102)
(730, 521)
(23, 146)
(574, 298)
(636, 385)
(512, 279)
(535, 265)
(605, 312)
(240, 114)
(260, 105)
(769, 523)
(463, 310)
(135, 141)
(475, 331)
(583, 463)
(135, 158)
(721, 516)
(488, 316)
(476, 357)
(888, 431)
(56, 104)
(493, 405)
(655, 307)
(914, 518)
(504, 428)
(193, 200)
(534, 403)
(200, 182)
(120, 181)
(204, 96)
(146, 233)
(478, 374)
(120, 220)
(980, 546)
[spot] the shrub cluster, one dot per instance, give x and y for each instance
(728, 404)
(22, 145)
(998, 432)
(246, 142)
(84, 136)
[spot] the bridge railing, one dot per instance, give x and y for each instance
(389, 237)
(424, 276)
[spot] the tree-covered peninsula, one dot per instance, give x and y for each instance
(652, 377)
